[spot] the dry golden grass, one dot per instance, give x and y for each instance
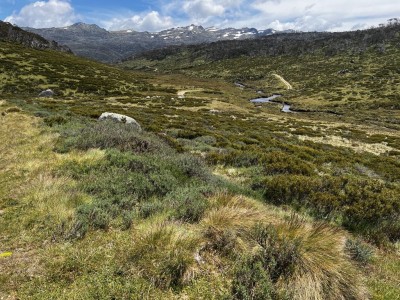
(358, 146)
(27, 166)
(33, 202)
(169, 255)
(322, 270)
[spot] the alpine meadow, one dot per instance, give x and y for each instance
(254, 168)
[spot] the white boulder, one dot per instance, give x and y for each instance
(120, 118)
(47, 93)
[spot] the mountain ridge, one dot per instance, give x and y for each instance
(11, 33)
(94, 42)
(300, 43)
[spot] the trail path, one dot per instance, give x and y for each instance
(181, 94)
(288, 85)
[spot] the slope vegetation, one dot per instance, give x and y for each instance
(215, 199)
(13, 33)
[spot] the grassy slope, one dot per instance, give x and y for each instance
(37, 198)
(368, 89)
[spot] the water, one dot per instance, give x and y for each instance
(285, 108)
(265, 100)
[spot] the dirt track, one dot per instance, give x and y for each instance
(288, 85)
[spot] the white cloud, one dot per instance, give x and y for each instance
(151, 21)
(203, 8)
(42, 14)
(305, 15)
(308, 15)
(202, 12)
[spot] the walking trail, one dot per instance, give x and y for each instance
(288, 85)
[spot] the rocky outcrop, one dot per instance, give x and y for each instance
(11, 33)
(120, 118)
(47, 93)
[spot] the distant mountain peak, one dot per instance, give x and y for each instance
(85, 27)
(89, 40)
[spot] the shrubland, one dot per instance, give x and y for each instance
(214, 199)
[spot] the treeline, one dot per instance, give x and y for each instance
(299, 43)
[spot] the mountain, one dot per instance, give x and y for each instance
(96, 43)
(290, 43)
(11, 33)
(217, 197)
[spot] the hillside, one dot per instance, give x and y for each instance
(12, 33)
(96, 43)
(300, 43)
(217, 197)
(353, 74)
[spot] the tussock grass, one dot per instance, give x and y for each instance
(152, 219)
(164, 256)
(322, 269)
(317, 267)
(235, 212)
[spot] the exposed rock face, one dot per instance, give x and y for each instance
(11, 33)
(94, 42)
(47, 93)
(120, 118)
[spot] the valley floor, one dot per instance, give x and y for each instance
(217, 198)
(37, 264)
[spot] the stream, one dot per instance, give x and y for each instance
(285, 108)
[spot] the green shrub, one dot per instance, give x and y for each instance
(96, 216)
(190, 202)
(234, 158)
(251, 281)
(292, 189)
(129, 180)
(147, 209)
(279, 255)
(192, 166)
(13, 109)
(125, 137)
(127, 219)
(55, 120)
(283, 163)
(367, 206)
(359, 251)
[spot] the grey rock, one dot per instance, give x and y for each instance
(47, 93)
(120, 118)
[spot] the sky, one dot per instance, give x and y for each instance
(156, 15)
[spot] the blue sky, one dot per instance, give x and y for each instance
(155, 15)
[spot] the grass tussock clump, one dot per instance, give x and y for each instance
(13, 109)
(319, 266)
(280, 259)
(164, 256)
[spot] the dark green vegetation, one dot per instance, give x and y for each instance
(139, 175)
(15, 34)
(107, 212)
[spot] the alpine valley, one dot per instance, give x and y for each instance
(199, 163)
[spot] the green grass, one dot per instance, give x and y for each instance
(95, 210)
